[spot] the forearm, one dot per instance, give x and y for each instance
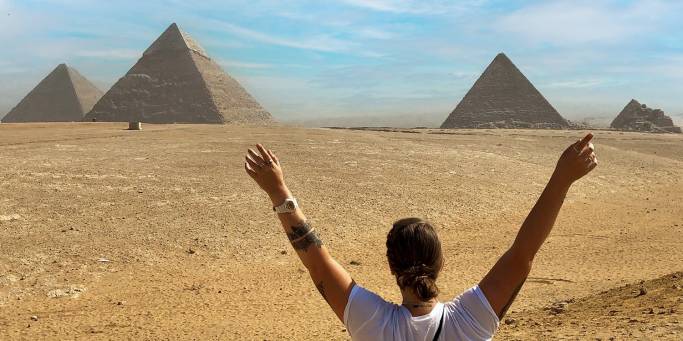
(329, 277)
(301, 234)
(541, 219)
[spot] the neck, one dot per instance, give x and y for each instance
(415, 305)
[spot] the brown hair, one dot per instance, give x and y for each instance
(415, 258)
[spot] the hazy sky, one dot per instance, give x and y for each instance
(367, 57)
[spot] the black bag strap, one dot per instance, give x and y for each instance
(438, 330)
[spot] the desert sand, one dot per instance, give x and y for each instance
(159, 234)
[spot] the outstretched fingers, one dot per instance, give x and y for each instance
(252, 163)
(255, 156)
(249, 170)
(264, 154)
(273, 157)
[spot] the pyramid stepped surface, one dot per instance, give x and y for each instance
(638, 117)
(63, 96)
(503, 97)
(176, 82)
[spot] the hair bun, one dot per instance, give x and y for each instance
(421, 278)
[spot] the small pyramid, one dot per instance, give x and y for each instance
(503, 97)
(175, 81)
(63, 96)
(638, 117)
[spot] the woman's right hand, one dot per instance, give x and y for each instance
(576, 161)
(264, 168)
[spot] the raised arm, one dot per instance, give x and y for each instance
(505, 279)
(332, 281)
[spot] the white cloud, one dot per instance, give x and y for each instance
(412, 6)
(316, 42)
(8, 68)
(576, 83)
(340, 23)
(575, 22)
(671, 67)
(324, 43)
(228, 63)
(463, 75)
(382, 5)
(109, 54)
(374, 33)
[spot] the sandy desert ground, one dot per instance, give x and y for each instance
(159, 234)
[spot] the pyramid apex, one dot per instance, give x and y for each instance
(61, 70)
(172, 26)
(501, 58)
(633, 103)
(173, 38)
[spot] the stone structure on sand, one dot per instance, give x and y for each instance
(638, 117)
(63, 96)
(503, 97)
(175, 81)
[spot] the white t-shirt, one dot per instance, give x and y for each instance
(468, 317)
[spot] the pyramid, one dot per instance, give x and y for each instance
(638, 117)
(63, 96)
(176, 82)
(503, 97)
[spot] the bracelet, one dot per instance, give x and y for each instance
(302, 237)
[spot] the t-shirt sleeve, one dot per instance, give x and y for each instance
(364, 312)
(473, 315)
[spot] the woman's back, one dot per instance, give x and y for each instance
(468, 317)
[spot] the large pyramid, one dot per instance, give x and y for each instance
(503, 97)
(638, 117)
(63, 96)
(176, 82)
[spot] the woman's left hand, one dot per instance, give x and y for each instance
(576, 161)
(264, 168)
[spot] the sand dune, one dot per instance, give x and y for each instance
(647, 310)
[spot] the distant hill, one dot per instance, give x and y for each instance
(595, 121)
(397, 121)
(678, 119)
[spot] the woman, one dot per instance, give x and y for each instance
(415, 259)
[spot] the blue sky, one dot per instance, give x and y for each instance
(312, 59)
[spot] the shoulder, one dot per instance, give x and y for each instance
(367, 311)
(362, 301)
(471, 314)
